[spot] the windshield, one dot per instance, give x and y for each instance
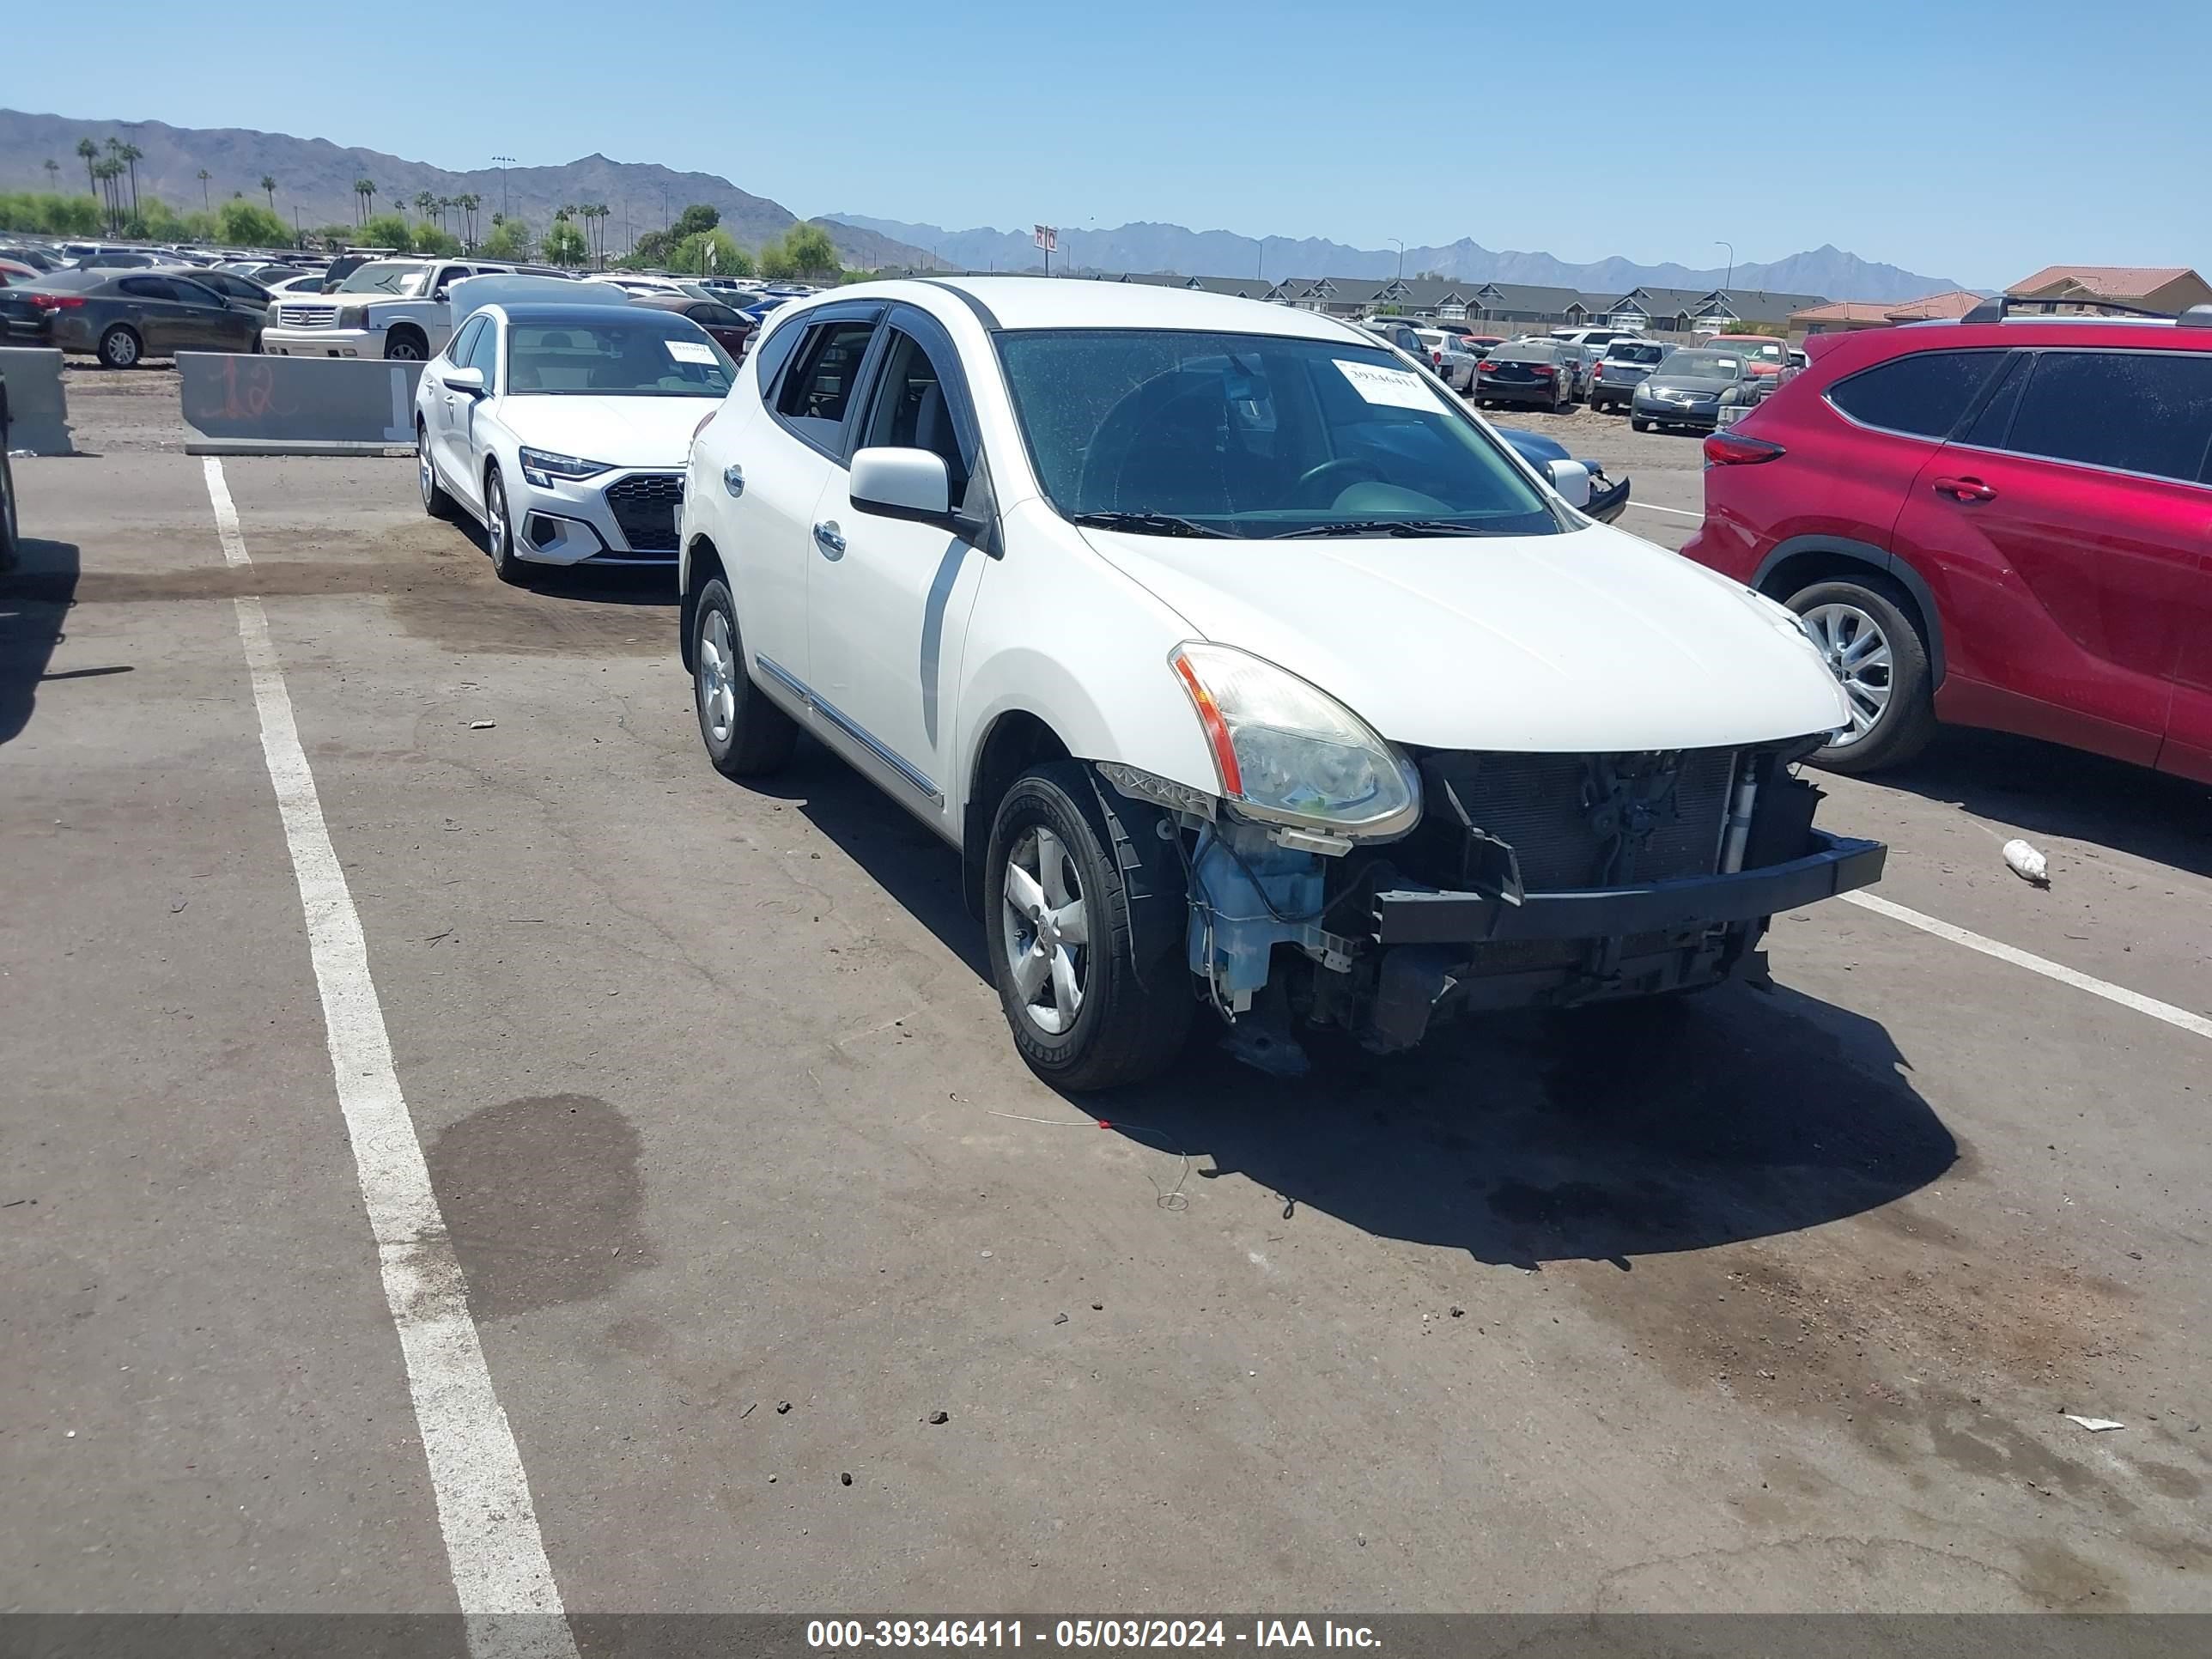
(1705, 366)
(1636, 353)
(386, 276)
(641, 357)
(1257, 436)
(1767, 351)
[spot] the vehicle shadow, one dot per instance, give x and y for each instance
(1601, 1134)
(34, 600)
(2054, 791)
(609, 584)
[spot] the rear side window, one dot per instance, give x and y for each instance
(2141, 411)
(148, 288)
(819, 388)
(771, 352)
(1923, 394)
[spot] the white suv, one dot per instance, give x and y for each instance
(394, 308)
(1244, 668)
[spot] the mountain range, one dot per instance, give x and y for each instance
(315, 177)
(315, 180)
(1149, 247)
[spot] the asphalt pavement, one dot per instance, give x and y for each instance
(1778, 1303)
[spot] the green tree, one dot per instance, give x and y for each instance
(776, 262)
(564, 243)
(364, 190)
(388, 230)
(693, 219)
(510, 239)
(651, 248)
(54, 172)
(205, 175)
(437, 243)
(249, 224)
(424, 201)
(811, 250)
(468, 205)
(90, 152)
(710, 252)
(269, 189)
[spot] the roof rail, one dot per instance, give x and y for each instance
(1997, 309)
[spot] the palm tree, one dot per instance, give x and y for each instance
(89, 151)
(106, 172)
(364, 191)
(468, 205)
(131, 155)
(53, 170)
(205, 205)
(269, 185)
(423, 203)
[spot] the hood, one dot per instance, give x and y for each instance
(620, 431)
(1590, 641)
(1660, 380)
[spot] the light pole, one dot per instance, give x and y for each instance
(503, 162)
(1729, 282)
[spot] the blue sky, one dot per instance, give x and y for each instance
(1974, 142)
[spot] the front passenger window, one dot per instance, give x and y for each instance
(911, 412)
(483, 354)
(819, 388)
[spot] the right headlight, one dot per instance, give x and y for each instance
(1287, 752)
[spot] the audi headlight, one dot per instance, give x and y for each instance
(1287, 752)
(544, 468)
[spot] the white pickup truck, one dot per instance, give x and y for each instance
(393, 309)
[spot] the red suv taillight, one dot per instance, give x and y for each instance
(1739, 449)
(57, 302)
(1597, 371)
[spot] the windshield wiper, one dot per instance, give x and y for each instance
(1159, 524)
(1381, 527)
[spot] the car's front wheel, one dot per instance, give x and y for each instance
(120, 346)
(435, 502)
(746, 734)
(1874, 647)
(499, 531)
(1086, 1012)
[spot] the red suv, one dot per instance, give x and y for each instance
(2003, 522)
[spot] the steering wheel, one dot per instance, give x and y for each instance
(1345, 467)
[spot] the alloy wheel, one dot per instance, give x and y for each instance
(1858, 653)
(1047, 930)
(718, 685)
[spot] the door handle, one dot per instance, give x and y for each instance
(1965, 490)
(734, 479)
(827, 538)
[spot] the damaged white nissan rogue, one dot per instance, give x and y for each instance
(1246, 669)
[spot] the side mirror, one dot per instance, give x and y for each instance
(1572, 480)
(469, 382)
(902, 483)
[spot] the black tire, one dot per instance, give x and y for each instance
(1907, 722)
(406, 345)
(121, 347)
(1133, 1017)
(1638, 423)
(748, 736)
(9, 528)
(435, 502)
(499, 532)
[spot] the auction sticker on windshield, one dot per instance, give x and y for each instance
(1400, 388)
(689, 351)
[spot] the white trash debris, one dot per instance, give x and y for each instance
(486, 725)
(2026, 863)
(2094, 1425)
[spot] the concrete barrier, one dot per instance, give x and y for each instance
(38, 413)
(236, 404)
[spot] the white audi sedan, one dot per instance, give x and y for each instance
(1248, 672)
(562, 429)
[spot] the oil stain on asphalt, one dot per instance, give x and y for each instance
(543, 1199)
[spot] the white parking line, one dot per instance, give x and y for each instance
(2180, 1018)
(1672, 512)
(225, 514)
(511, 1605)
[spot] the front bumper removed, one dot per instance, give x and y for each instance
(1838, 864)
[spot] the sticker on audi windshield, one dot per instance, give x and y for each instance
(1400, 388)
